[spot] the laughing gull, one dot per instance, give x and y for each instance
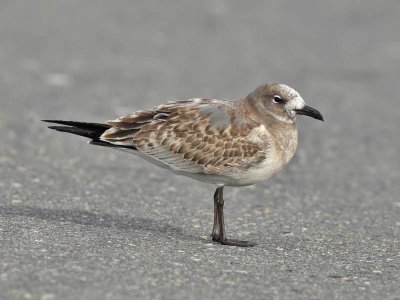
(223, 142)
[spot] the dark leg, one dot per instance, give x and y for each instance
(215, 232)
(218, 233)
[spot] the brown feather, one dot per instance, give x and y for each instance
(185, 131)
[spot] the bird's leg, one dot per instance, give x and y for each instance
(215, 232)
(218, 233)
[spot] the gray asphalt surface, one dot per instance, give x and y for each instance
(82, 222)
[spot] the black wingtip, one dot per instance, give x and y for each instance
(58, 128)
(86, 125)
(89, 130)
(61, 122)
(54, 121)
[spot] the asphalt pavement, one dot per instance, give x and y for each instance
(83, 222)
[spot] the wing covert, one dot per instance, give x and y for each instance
(198, 135)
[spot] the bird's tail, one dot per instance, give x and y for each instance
(89, 130)
(92, 131)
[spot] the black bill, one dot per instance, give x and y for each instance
(309, 111)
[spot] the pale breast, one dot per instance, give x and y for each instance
(288, 140)
(279, 149)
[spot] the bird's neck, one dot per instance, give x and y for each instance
(284, 134)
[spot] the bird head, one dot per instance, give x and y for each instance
(281, 102)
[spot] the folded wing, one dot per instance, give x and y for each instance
(206, 136)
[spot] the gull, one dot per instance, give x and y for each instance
(223, 142)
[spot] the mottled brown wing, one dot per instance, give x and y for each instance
(199, 135)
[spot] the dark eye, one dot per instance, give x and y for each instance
(278, 99)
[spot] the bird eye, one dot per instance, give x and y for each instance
(278, 99)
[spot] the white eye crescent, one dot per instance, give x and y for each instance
(278, 99)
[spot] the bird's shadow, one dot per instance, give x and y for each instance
(81, 217)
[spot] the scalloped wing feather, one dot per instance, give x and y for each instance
(207, 136)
